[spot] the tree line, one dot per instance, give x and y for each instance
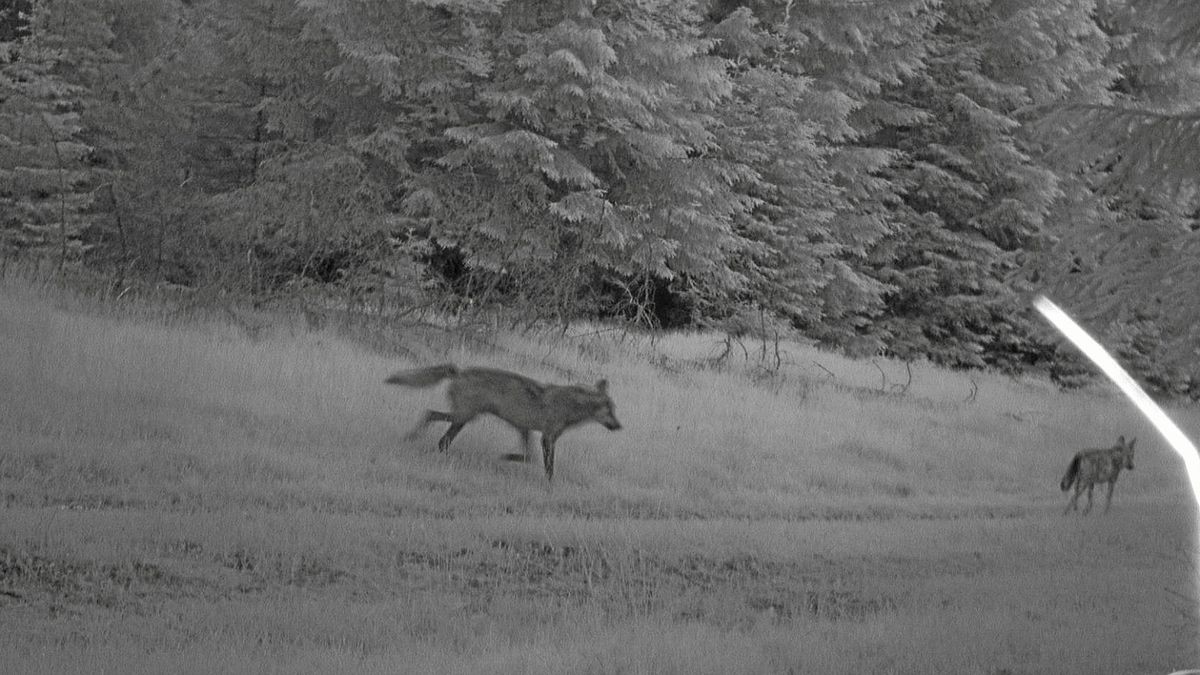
(879, 175)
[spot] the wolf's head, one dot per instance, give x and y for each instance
(603, 412)
(1126, 450)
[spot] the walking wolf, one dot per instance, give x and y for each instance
(525, 404)
(1097, 465)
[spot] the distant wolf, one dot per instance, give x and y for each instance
(1097, 465)
(526, 404)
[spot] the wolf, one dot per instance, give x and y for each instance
(525, 404)
(1097, 465)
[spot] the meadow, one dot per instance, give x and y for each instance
(183, 494)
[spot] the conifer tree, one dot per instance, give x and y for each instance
(974, 196)
(549, 149)
(813, 78)
(46, 59)
(1126, 262)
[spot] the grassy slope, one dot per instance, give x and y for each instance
(182, 498)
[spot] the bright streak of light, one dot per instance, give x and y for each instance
(1165, 426)
(1175, 437)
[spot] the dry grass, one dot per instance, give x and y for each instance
(182, 496)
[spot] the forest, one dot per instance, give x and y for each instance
(892, 177)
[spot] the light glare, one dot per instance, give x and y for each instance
(1165, 426)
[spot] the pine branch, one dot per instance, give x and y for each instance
(1132, 149)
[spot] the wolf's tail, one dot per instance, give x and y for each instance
(1069, 476)
(423, 377)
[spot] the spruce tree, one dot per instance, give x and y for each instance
(47, 58)
(975, 197)
(810, 76)
(1126, 262)
(550, 151)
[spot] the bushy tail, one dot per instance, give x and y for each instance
(1069, 476)
(423, 377)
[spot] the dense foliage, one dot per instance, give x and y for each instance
(888, 175)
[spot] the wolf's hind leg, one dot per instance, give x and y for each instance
(548, 439)
(525, 445)
(430, 417)
(448, 437)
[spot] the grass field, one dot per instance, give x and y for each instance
(182, 496)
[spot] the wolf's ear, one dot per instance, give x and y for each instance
(1121, 440)
(1132, 442)
(602, 386)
